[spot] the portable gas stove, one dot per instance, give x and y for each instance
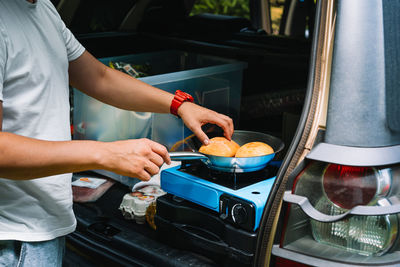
(239, 198)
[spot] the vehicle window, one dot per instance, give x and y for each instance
(276, 9)
(294, 18)
(99, 15)
(239, 8)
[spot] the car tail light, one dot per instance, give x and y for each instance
(366, 235)
(282, 262)
(349, 186)
(334, 189)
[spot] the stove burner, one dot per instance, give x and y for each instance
(230, 180)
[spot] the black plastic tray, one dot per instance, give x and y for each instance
(104, 238)
(189, 226)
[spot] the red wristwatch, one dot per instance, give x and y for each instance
(178, 100)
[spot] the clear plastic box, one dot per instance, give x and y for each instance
(214, 82)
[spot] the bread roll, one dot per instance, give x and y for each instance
(220, 146)
(254, 149)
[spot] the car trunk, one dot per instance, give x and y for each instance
(273, 91)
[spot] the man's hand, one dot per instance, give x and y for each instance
(140, 158)
(195, 116)
(23, 158)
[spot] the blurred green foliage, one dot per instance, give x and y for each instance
(276, 7)
(238, 8)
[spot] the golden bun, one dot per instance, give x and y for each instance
(254, 149)
(220, 146)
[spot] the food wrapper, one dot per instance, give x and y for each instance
(89, 182)
(89, 188)
(136, 71)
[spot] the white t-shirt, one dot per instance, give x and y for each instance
(35, 50)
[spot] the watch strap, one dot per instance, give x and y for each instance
(179, 98)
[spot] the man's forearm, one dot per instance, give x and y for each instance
(116, 88)
(23, 158)
(126, 92)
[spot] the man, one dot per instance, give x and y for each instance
(39, 57)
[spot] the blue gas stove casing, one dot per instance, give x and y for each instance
(242, 207)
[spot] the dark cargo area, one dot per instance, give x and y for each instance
(272, 95)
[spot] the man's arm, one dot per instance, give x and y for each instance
(28, 158)
(116, 88)
(123, 91)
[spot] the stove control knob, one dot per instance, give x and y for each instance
(239, 214)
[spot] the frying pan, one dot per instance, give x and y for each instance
(232, 164)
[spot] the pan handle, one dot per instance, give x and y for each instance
(187, 155)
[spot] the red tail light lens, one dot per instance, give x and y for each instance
(281, 262)
(349, 186)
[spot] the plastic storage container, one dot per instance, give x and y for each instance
(213, 82)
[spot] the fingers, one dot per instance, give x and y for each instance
(143, 175)
(156, 159)
(226, 124)
(201, 135)
(195, 116)
(222, 121)
(151, 168)
(153, 159)
(145, 168)
(162, 153)
(155, 152)
(140, 158)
